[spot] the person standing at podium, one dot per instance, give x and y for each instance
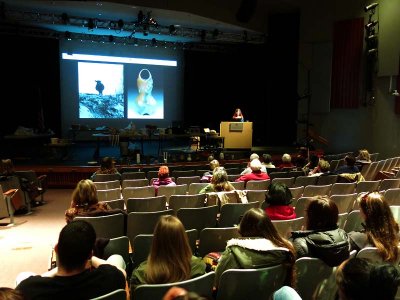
(238, 116)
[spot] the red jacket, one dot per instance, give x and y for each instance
(280, 212)
(253, 176)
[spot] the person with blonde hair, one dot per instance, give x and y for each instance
(85, 201)
(208, 175)
(256, 172)
(363, 158)
(171, 258)
(248, 170)
(219, 182)
(380, 228)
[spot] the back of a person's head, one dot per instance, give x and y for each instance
(322, 214)
(170, 253)
(163, 172)
(267, 158)
(75, 244)
(7, 167)
(219, 175)
(350, 160)
(214, 164)
(278, 194)
(7, 293)
(363, 154)
(256, 223)
(255, 165)
(359, 279)
(324, 165)
(85, 193)
(286, 158)
(107, 163)
(254, 156)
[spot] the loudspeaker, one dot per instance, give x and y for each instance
(246, 10)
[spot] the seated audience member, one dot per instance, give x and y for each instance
(311, 165)
(358, 279)
(247, 170)
(363, 158)
(322, 238)
(380, 228)
(256, 173)
(259, 246)
(6, 169)
(323, 169)
(163, 178)
(171, 258)
(286, 293)
(79, 274)
(7, 293)
(219, 182)
(85, 201)
(277, 202)
(286, 162)
(267, 163)
(208, 175)
(107, 166)
(349, 167)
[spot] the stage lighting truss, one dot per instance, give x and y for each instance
(371, 31)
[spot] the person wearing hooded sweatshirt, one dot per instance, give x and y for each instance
(163, 178)
(277, 202)
(259, 246)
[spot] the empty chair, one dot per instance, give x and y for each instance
(109, 226)
(34, 185)
(372, 254)
(143, 222)
(195, 188)
(327, 179)
(238, 284)
(109, 194)
(198, 218)
(6, 209)
(231, 213)
(116, 204)
(342, 219)
(233, 171)
(134, 182)
(374, 156)
(233, 177)
(106, 177)
(118, 245)
(256, 195)
(133, 175)
(389, 184)
(368, 172)
(277, 173)
(119, 294)
(215, 239)
(285, 227)
(305, 180)
(289, 181)
(301, 206)
(315, 190)
(106, 185)
(367, 186)
(334, 164)
(353, 221)
(183, 173)
(186, 201)
(315, 279)
(238, 185)
(258, 184)
(297, 192)
(168, 190)
(201, 285)
(151, 174)
(392, 196)
(187, 180)
(344, 202)
(343, 188)
(148, 204)
(396, 212)
(138, 192)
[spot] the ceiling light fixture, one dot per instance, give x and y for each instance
(371, 7)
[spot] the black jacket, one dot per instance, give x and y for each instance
(331, 246)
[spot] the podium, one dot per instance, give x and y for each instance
(237, 135)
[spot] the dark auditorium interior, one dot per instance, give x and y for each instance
(157, 82)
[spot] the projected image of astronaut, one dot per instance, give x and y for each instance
(145, 104)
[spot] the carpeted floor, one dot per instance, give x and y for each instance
(27, 245)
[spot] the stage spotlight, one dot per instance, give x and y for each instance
(371, 25)
(371, 7)
(373, 51)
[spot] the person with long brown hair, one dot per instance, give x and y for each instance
(380, 228)
(171, 258)
(259, 246)
(85, 201)
(322, 238)
(219, 182)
